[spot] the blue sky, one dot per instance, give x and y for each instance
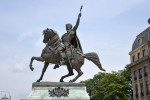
(107, 27)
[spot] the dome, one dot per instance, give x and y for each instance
(144, 36)
(4, 98)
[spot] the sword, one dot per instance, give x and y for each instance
(68, 57)
(81, 8)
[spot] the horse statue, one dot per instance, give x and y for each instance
(53, 53)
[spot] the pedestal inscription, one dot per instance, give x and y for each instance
(58, 92)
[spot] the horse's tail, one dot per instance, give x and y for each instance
(92, 56)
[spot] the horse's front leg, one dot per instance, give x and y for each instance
(35, 58)
(43, 71)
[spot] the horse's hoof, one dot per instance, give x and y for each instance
(103, 69)
(38, 81)
(61, 81)
(71, 81)
(31, 68)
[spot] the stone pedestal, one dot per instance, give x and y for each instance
(58, 91)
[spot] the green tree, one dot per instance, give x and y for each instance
(128, 79)
(92, 85)
(111, 87)
(106, 86)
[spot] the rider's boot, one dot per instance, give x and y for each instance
(60, 63)
(56, 66)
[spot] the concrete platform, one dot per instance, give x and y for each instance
(58, 91)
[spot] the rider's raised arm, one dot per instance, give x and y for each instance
(77, 23)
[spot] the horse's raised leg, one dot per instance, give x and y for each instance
(35, 58)
(69, 74)
(43, 71)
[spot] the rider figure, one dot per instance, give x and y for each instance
(70, 38)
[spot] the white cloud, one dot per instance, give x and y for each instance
(19, 66)
(24, 35)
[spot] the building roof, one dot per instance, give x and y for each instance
(145, 36)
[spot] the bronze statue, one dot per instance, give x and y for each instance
(65, 51)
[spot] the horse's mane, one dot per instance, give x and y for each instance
(54, 31)
(49, 30)
(55, 40)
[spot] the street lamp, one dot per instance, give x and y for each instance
(8, 93)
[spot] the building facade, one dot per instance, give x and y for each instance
(140, 66)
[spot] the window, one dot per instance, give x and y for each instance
(133, 58)
(140, 73)
(141, 86)
(144, 53)
(136, 87)
(139, 42)
(138, 55)
(147, 88)
(145, 71)
(135, 76)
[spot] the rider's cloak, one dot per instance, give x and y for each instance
(76, 43)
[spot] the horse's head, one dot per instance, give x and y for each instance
(51, 37)
(47, 35)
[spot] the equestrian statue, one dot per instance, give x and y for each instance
(65, 51)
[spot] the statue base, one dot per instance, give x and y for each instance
(58, 91)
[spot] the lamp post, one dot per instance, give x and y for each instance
(8, 93)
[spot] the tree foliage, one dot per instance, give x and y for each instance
(110, 86)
